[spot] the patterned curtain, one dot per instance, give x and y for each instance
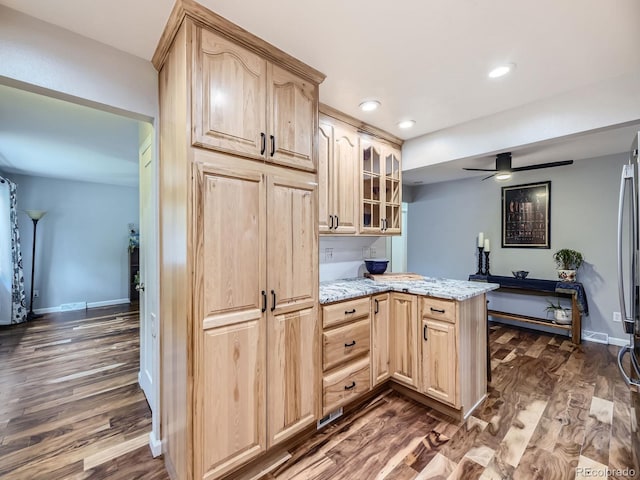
(18, 296)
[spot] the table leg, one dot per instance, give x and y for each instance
(576, 321)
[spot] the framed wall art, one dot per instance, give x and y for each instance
(526, 215)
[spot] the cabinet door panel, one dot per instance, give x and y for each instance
(292, 359)
(345, 178)
(229, 104)
(392, 191)
(380, 358)
(405, 338)
(439, 360)
(230, 205)
(232, 421)
(372, 187)
(325, 154)
(293, 117)
(292, 244)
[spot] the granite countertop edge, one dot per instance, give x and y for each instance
(333, 291)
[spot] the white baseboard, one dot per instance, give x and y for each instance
(620, 342)
(59, 308)
(108, 303)
(155, 444)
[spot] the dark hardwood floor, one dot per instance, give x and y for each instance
(71, 408)
(70, 404)
(551, 410)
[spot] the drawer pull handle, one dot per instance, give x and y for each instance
(350, 387)
(352, 344)
(437, 310)
(349, 312)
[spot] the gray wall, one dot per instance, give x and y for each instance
(445, 219)
(81, 251)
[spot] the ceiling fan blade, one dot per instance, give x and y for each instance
(487, 178)
(542, 165)
(480, 169)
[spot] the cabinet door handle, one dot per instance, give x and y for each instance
(264, 301)
(377, 308)
(263, 142)
(273, 300)
(337, 221)
(352, 344)
(273, 145)
(330, 222)
(350, 387)
(349, 312)
(437, 310)
(424, 333)
(386, 225)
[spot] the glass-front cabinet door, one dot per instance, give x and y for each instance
(392, 192)
(372, 187)
(381, 188)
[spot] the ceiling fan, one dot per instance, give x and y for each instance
(504, 168)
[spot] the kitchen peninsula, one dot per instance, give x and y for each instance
(426, 337)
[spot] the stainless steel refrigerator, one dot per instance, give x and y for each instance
(629, 284)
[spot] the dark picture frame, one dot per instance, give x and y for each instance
(526, 215)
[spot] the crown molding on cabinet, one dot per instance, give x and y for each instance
(361, 126)
(222, 26)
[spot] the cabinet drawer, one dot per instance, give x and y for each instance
(344, 343)
(346, 384)
(345, 311)
(439, 309)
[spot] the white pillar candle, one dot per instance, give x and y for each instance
(480, 239)
(487, 245)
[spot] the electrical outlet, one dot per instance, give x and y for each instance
(617, 317)
(372, 252)
(36, 293)
(328, 253)
(365, 252)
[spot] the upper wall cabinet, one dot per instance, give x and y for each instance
(338, 173)
(246, 105)
(381, 199)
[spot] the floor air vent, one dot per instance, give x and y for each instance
(329, 418)
(597, 337)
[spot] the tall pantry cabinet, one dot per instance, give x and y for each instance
(239, 245)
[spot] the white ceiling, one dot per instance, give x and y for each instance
(46, 137)
(579, 147)
(423, 60)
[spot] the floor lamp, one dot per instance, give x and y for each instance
(34, 215)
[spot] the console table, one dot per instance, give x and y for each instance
(533, 286)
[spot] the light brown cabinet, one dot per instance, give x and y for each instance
(239, 245)
(381, 189)
(381, 335)
(337, 172)
(404, 338)
(439, 360)
(346, 340)
(244, 104)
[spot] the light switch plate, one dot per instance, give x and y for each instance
(328, 253)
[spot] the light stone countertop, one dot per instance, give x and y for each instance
(337, 290)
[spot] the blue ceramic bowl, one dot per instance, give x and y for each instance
(376, 266)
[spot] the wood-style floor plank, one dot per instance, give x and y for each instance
(70, 405)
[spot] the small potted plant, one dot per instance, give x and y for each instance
(567, 261)
(561, 314)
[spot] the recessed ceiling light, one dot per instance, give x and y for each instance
(406, 123)
(502, 176)
(502, 70)
(369, 105)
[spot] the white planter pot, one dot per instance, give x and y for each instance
(562, 316)
(567, 275)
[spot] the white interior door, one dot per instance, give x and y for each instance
(149, 338)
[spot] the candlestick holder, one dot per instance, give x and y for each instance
(486, 262)
(479, 272)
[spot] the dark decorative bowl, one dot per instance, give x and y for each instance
(520, 274)
(376, 266)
